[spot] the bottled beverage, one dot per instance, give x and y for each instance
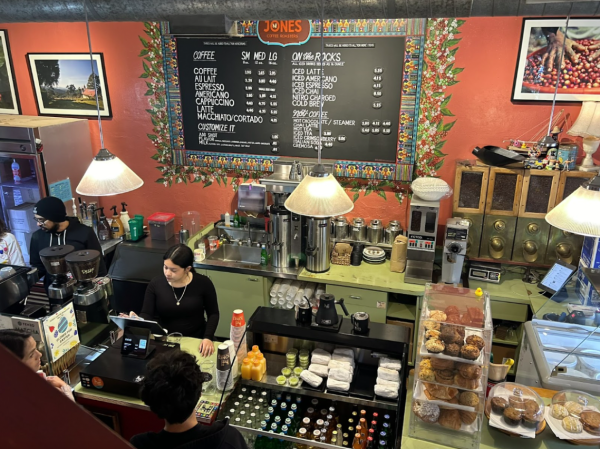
(310, 412)
(357, 443)
(370, 443)
(264, 256)
(323, 439)
(323, 413)
(373, 426)
(257, 373)
(302, 434)
(372, 434)
(284, 429)
(288, 398)
(386, 427)
(375, 415)
(247, 369)
(345, 444)
(278, 420)
(253, 419)
(243, 416)
(284, 407)
(270, 411)
(306, 424)
(316, 435)
(294, 408)
(358, 430)
(383, 445)
(333, 440)
(351, 430)
(250, 400)
(267, 418)
(274, 403)
(274, 427)
(363, 428)
(383, 436)
(236, 219)
(355, 415)
(350, 422)
(16, 171)
(331, 420)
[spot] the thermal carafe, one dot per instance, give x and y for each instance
(358, 230)
(318, 244)
(281, 237)
(375, 232)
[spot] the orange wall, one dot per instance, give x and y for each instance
(480, 102)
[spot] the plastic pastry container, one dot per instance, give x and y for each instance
(515, 409)
(575, 416)
(162, 225)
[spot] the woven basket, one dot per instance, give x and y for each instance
(338, 259)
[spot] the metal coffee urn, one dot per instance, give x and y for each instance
(358, 230)
(375, 231)
(393, 230)
(281, 235)
(318, 244)
(340, 228)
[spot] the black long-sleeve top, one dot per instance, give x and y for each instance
(188, 317)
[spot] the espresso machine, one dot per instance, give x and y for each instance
(455, 249)
(422, 229)
(62, 288)
(91, 296)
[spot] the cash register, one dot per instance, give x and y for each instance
(122, 367)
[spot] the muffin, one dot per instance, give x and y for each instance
(475, 341)
(572, 424)
(469, 371)
(467, 417)
(431, 325)
(437, 315)
(512, 416)
(469, 352)
(459, 329)
(432, 334)
(517, 402)
(452, 310)
(468, 384)
(426, 411)
(452, 349)
(455, 319)
(425, 363)
(531, 406)
(574, 408)
(444, 376)
(442, 363)
(450, 418)
(435, 346)
(531, 419)
(559, 411)
(427, 375)
(590, 419)
(499, 404)
(468, 398)
(450, 335)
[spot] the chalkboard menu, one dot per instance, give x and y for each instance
(242, 96)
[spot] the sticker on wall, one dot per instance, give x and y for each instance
(284, 32)
(62, 190)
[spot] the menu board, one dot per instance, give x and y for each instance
(243, 96)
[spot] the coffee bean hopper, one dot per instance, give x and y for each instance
(61, 289)
(91, 297)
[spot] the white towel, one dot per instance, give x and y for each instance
(394, 364)
(310, 378)
(388, 374)
(320, 357)
(347, 352)
(390, 383)
(343, 358)
(340, 374)
(333, 384)
(319, 370)
(344, 365)
(386, 391)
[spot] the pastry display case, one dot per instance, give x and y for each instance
(452, 362)
(575, 416)
(516, 410)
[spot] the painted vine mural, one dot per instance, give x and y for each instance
(438, 74)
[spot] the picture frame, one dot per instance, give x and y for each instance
(9, 98)
(540, 49)
(63, 84)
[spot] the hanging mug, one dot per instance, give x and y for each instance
(360, 322)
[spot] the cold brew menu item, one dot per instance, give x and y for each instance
(242, 96)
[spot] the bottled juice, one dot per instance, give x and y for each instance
(255, 349)
(257, 372)
(263, 362)
(247, 369)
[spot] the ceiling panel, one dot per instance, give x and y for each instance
(463, 7)
(506, 7)
(557, 9)
(417, 8)
(482, 8)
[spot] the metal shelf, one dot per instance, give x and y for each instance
(274, 365)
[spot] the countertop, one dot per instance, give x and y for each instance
(491, 438)
(188, 344)
(510, 289)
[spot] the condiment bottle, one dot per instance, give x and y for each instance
(125, 218)
(116, 226)
(103, 227)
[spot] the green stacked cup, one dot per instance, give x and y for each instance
(290, 358)
(304, 359)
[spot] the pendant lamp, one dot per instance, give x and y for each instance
(319, 194)
(107, 174)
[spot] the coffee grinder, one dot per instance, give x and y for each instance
(90, 298)
(455, 249)
(422, 229)
(62, 288)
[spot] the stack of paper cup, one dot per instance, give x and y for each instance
(238, 328)
(230, 345)
(223, 365)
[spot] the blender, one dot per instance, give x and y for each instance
(91, 296)
(62, 288)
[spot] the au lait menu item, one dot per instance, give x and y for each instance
(242, 96)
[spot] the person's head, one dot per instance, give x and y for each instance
(173, 385)
(49, 213)
(178, 262)
(3, 228)
(22, 344)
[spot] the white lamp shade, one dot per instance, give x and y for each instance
(588, 121)
(108, 177)
(579, 213)
(318, 196)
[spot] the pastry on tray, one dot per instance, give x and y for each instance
(559, 411)
(499, 404)
(452, 310)
(468, 398)
(425, 363)
(459, 329)
(450, 418)
(452, 349)
(435, 346)
(467, 417)
(455, 319)
(432, 334)
(426, 411)
(437, 315)
(469, 371)
(574, 408)
(517, 402)
(572, 424)
(512, 416)
(450, 335)
(427, 374)
(475, 341)
(469, 352)
(444, 376)
(437, 363)
(431, 325)
(469, 384)
(531, 406)
(440, 392)
(531, 419)
(590, 419)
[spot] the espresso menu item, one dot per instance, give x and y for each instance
(242, 96)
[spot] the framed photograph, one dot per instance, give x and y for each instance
(539, 60)
(64, 84)
(9, 101)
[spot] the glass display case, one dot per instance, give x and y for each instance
(575, 416)
(454, 346)
(515, 409)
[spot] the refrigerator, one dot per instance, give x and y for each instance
(39, 157)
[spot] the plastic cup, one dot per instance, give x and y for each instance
(281, 380)
(293, 381)
(298, 370)
(286, 372)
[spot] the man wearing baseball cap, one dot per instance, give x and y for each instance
(58, 229)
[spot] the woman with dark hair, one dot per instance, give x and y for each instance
(10, 251)
(181, 298)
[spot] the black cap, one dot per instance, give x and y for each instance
(51, 208)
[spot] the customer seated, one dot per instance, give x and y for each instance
(172, 389)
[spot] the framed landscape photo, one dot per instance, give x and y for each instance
(9, 101)
(539, 61)
(64, 84)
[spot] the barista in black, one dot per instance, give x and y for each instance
(58, 229)
(181, 298)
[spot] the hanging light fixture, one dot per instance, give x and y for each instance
(107, 174)
(319, 194)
